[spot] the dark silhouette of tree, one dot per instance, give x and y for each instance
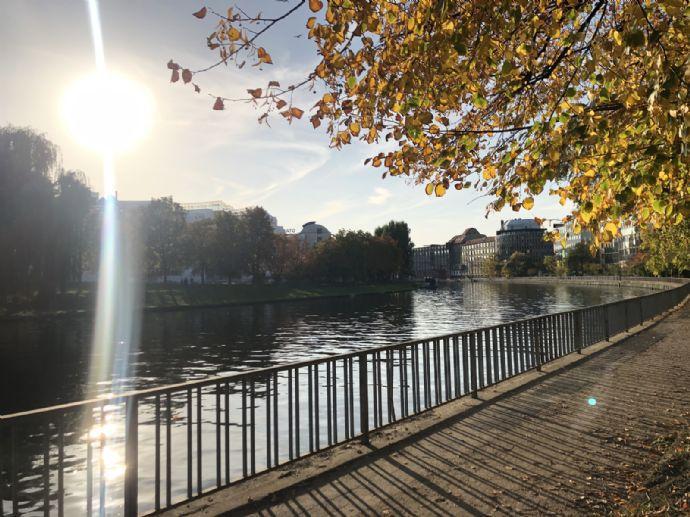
(227, 245)
(290, 255)
(198, 244)
(354, 257)
(578, 257)
(258, 242)
(74, 206)
(399, 231)
(164, 224)
(44, 212)
(28, 163)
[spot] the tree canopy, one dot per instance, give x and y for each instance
(585, 99)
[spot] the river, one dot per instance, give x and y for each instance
(47, 361)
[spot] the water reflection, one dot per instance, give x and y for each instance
(46, 362)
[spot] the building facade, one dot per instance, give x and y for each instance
(475, 254)
(523, 235)
(456, 264)
(312, 233)
(624, 247)
(569, 239)
(430, 261)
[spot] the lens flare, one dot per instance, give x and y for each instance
(592, 401)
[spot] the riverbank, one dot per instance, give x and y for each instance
(159, 297)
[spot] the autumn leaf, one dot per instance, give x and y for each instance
(429, 189)
(175, 76)
(280, 104)
(201, 13)
(272, 84)
(196, 88)
(315, 121)
(311, 22)
(218, 105)
(172, 65)
(186, 75)
(440, 190)
(264, 57)
(315, 5)
(256, 93)
(296, 112)
(528, 203)
(233, 34)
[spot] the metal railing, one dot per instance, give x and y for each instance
(148, 450)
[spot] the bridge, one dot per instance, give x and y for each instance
(510, 416)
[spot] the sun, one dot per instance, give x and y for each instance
(108, 113)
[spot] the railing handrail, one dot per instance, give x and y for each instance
(263, 372)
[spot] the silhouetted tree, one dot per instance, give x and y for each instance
(399, 231)
(289, 256)
(227, 247)
(164, 224)
(74, 207)
(198, 244)
(258, 242)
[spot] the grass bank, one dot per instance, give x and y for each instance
(159, 297)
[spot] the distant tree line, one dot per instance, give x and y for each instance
(232, 245)
(51, 226)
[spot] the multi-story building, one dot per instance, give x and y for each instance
(523, 235)
(456, 264)
(624, 247)
(475, 254)
(207, 209)
(313, 233)
(430, 261)
(570, 238)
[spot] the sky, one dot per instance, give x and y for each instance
(196, 154)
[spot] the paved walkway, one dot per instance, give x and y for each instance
(538, 451)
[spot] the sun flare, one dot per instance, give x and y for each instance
(108, 113)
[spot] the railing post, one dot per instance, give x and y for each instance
(607, 331)
(363, 398)
(639, 301)
(537, 343)
(626, 305)
(577, 316)
(131, 457)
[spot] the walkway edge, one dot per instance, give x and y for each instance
(247, 495)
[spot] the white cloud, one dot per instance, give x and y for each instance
(331, 208)
(380, 196)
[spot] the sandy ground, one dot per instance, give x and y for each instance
(539, 450)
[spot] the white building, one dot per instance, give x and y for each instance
(571, 238)
(313, 233)
(206, 210)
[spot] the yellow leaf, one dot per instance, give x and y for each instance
(611, 227)
(440, 190)
(315, 5)
(354, 128)
(233, 34)
(429, 189)
(489, 172)
(311, 22)
(528, 203)
(617, 37)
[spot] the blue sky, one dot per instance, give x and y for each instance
(196, 154)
